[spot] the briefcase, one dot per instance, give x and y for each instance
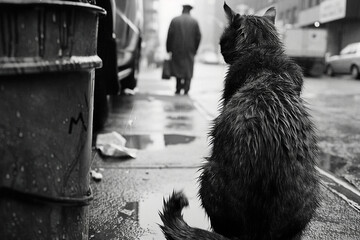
(166, 73)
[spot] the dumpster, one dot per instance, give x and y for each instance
(47, 67)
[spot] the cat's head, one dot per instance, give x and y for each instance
(244, 31)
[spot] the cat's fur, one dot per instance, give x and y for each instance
(260, 181)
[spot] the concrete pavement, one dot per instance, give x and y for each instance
(171, 133)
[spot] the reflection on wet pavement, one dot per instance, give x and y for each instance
(146, 212)
(178, 107)
(164, 112)
(332, 163)
(156, 141)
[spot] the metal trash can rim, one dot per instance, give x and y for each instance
(34, 197)
(100, 10)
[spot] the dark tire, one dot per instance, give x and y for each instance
(355, 72)
(130, 81)
(317, 69)
(106, 77)
(330, 71)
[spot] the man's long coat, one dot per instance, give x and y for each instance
(183, 40)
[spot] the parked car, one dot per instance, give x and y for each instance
(119, 47)
(348, 62)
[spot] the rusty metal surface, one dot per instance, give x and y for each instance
(24, 219)
(46, 134)
(47, 69)
(47, 36)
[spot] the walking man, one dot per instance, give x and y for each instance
(182, 42)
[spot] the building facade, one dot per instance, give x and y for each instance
(341, 18)
(151, 40)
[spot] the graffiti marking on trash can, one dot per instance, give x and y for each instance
(75, 121)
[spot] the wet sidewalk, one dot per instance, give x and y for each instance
(171, 135)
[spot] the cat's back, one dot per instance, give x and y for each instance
(262, 117)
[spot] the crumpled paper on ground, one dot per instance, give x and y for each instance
(113, 145)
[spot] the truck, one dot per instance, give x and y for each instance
(307, 47)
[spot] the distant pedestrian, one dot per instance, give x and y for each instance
(182, 42)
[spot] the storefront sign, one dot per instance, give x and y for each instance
(331, 10)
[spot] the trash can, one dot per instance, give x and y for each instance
(47, 67)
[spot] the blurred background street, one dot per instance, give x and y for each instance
(63, 85)
(170, 132)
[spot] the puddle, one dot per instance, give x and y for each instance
(182, 118)
(332, 163)
(129, 211)
(178, 107)
(146, 212)
(156, 141)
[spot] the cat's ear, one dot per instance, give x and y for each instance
(230, 14)
(271, 14)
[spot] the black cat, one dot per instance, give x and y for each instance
(260, 181)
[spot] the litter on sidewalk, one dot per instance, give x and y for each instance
(96, 175)
(113, 145)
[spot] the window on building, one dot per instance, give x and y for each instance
(303, 5)
(281, 16)
(293, 15)
(287, 16)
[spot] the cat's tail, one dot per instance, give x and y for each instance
(175, 228)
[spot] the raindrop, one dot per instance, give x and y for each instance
(18, 115)
(21, 134)
(59, 180)
(45, 189)
(7, 176)
(52, 155)
(39, 231)
(45, 165)
(22, 169)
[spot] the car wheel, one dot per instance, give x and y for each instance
(355, 72)
(130, 81)
(330, 71)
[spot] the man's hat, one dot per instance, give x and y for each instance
(188, 3)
